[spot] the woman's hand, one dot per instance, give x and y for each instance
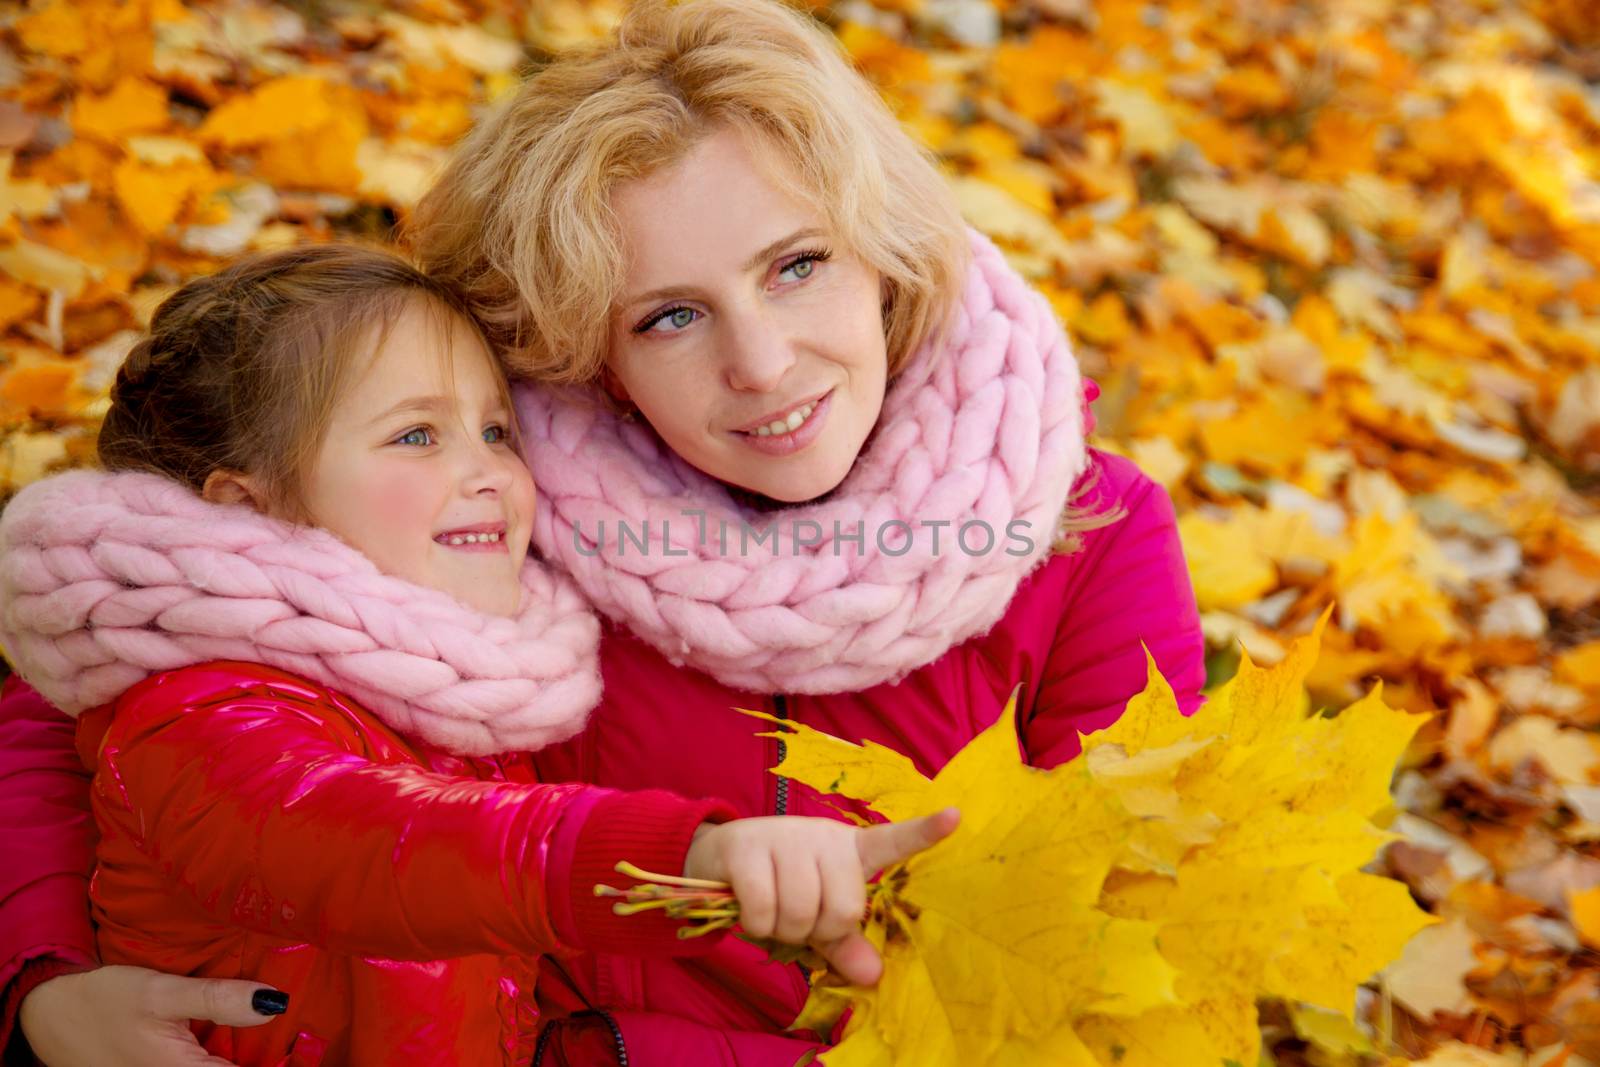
(803, 881)
(131, 1017)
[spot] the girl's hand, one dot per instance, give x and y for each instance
(803, 881)
(131, 1017)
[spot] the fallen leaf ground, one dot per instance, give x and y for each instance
(1336, 267)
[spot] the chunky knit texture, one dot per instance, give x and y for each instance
(106, 579)
(987, 427)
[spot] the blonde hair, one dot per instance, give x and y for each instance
(521, 221)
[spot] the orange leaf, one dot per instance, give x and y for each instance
(1580, 666)
(1030, 74)
(54, 29)
(132, 106)
(321, 158)
(1250, 89)
(282, 108)
(94, 233)
(17, 302)
(1268, 436)
(1586, 915)
(38, 387)
(1103, 322)
(148, 198)
(152, 197)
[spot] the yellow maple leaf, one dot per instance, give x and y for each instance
(1268, 435)
(1345, 941)
(1207, 1032)
(1147, 127)
(959, 981)
(869, 772)
(1130, 907)
(1227, 574)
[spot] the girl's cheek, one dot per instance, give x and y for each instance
(522, 488)
(385, 510)
(399, 498)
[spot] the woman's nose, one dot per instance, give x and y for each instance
(758, 355)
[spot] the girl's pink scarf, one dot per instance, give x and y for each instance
(106, 579)
(989, 427)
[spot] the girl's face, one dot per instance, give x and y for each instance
(748, 338)
(418, 471)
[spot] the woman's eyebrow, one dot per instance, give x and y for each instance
(671, 291)
(777, 246)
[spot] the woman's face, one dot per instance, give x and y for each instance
(746, 335)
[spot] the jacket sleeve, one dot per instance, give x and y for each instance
(1130, 584)
(260, 806)
(48, 840)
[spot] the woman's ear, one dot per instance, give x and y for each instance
(231, 487)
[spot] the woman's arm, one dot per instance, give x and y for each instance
(253, 799)
(1130, 584)
(48, 840)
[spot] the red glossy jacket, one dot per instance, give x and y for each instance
(254, 825)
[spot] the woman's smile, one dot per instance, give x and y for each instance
(797, 430)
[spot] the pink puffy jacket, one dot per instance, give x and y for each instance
(1071, 637)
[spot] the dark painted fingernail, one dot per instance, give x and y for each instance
(269, 1002)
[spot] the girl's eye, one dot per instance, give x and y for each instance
(496, 435)
(803, 265)
(679, 317)
(419, 437)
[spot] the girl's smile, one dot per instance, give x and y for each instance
(484, 537)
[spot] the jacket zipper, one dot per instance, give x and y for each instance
(780, 704)
(605, 1016)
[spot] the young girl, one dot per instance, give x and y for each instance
(296, 620)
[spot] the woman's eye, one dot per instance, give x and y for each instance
(679, 318)
(805, 265)
(496, 435)
(800, 268)
(419, 437)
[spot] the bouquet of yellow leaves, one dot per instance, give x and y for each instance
(1127, 908)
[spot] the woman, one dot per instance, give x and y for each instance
(830, 437)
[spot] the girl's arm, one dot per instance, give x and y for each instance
(48, 840)
(1130, 584)
(253, 797)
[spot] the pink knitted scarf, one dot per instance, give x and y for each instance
(987, 429)
(106, 579)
